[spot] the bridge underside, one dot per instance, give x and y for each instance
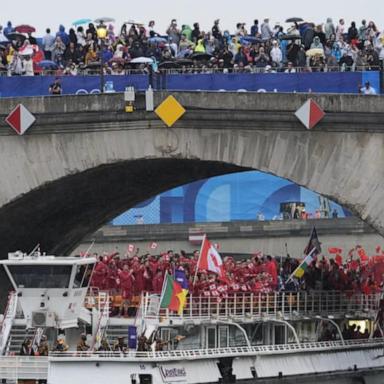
(60, 214)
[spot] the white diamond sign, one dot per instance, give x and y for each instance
(310, 113)
(20, 119)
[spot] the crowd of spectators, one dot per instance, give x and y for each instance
(130, 275)
(263, 47)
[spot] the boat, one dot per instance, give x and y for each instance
(273, 337)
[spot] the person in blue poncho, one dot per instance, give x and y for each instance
(63, 35)
(8, 29)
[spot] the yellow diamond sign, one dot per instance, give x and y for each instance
(170, 110)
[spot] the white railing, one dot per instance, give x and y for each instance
(28, 367)
(277, 304)
(6, 325)
(324, 346)
(23, 368)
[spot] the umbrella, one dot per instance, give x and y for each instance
(294, 20)
(25, 28)
(156, 40)
(169, 65)
(184, 62)
(251, 39)
(94, 65)
(16, 36)
(201, 56)
(3, 47)
(102, 20)
(315, 52)
(290, 37)
(133, 22)
(81, 22)
(47, 64)
(142, 60)
(26, 51)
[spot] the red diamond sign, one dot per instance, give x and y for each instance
(20, 119)
(310, 113)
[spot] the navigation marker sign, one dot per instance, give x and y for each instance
(310, 113)
(170, 110)
(20, 119)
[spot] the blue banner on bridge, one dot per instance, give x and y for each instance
(331, 82)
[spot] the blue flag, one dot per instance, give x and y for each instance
(181, 278)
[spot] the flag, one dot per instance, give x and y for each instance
(153, 245)
(313, 243)
(181, 278)
(131, 248)
(210, 259)
(362, 254)
(173, 296)
(311, 251)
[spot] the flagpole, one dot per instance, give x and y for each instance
(293, 273)
(162, 291)
(198, 260)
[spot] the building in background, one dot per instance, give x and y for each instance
(243, 196)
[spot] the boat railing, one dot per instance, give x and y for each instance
(275, 305)
(228, 351)
(23, 368)
(36, 367)
(6, 325)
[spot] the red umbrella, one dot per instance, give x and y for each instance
(25, 28)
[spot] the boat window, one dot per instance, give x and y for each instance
(211, 337)
(223, 336)
(41, 276)
(145, 379)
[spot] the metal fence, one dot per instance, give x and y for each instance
(277, 304)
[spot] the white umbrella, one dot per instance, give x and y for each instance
(27, 51)
(142, 60)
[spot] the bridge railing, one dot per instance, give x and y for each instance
(177, 69)
(275, 304)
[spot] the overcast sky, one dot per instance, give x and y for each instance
(48, 13)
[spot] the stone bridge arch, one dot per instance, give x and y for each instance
(86, 160)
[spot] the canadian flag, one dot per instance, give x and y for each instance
(153, 245)
(131, 248)
(210, 259)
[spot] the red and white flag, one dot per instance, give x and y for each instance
(153, 245)
(131, 248)
(210, 259)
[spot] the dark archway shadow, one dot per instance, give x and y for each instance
(60, 214)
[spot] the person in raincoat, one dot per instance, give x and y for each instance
(63, 35)
(200, 48)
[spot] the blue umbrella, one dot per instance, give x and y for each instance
(156, 40)
(251, 39)
(47, 64)
(81, 22)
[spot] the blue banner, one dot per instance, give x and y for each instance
(328, 82)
